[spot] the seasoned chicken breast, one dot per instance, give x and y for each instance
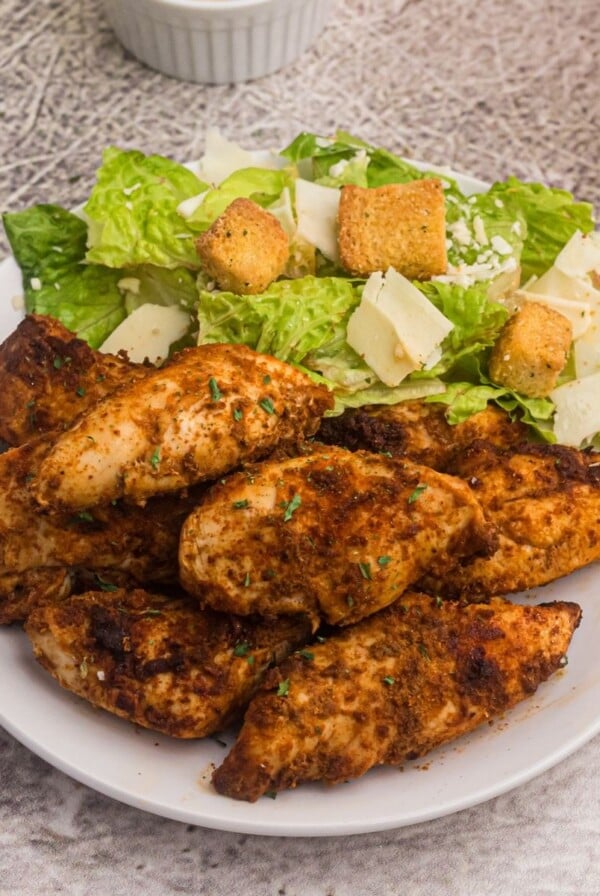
(20, 592)
(48, 376)
(419, 430)
(544, 502)
(157, 661)
(209, 410)
(142, 543)
(332, 533)
(392, 688)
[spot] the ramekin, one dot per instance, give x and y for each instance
(217, 41)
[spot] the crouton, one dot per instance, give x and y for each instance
(398, 225)
(245, 249)
(531, 350)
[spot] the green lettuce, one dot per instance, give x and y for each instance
(289, 320)
(49, 245)
(160, 286)
(551, 215)
(363, 165)
(477, 323)
(464, 399)
(132, 211)
(263, 185)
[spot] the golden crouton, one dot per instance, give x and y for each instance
(531, 350)
(398, 225)
(245, 249)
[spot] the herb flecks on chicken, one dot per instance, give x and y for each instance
(419, 430)
(392, 688)
(332, 533)
(544, 503)
(158, 661)
(208, 411)
(48, 376)
(38, 551)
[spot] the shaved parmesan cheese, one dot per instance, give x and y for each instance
(148, 332)
(316, 211)
(580, 256)
(396, 329)
(283, 211)
(555, 282)
(577, 313)
(187, 208)
(222, 157)
(587, 347)
(577, 416)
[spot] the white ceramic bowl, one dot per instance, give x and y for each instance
(217, 41)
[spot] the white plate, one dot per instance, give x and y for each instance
(171, 778)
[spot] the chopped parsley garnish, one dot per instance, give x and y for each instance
(365, 571)
(240, 505)
(389, 680)
(155, 459)
(383, 561)
(80, 391)
(238, 414)
(291, 508)
(283, 688)
(423, 651)
(266, 379)
(416, 494)
(241, 649)
(86, 516)
(267, 405)
(247, 580)
(306, 654)
(215, 392)
(438, 601)
(104, 585)
(146, 611)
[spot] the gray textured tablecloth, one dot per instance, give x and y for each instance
(489, 87)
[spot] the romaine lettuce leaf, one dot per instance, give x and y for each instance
(464, 399)
(477, 323)
(552, 216)
(315, 155)
(291, 319)
(49, 246)
(263, 185)
(365, 165)
(132, 211)
(149, 284)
